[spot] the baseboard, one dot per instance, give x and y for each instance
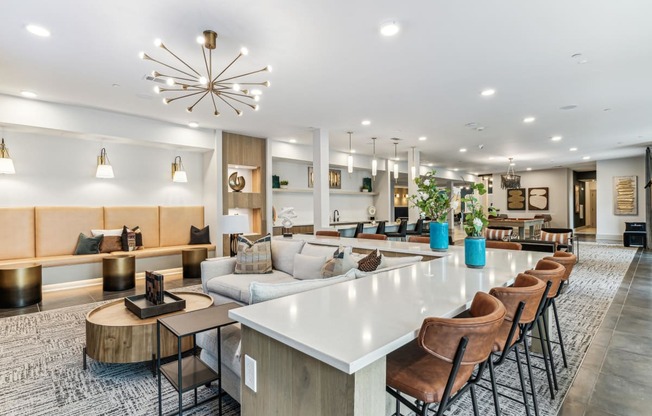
(98, 281)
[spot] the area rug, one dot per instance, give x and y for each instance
(41, 356)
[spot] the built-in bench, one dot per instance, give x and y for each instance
(48, 236)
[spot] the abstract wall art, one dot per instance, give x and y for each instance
(516, 199)
(625, 195)
(537, 198)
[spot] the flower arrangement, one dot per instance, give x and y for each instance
(434, 202)
(474, 218)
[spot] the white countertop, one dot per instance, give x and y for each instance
(352, 324)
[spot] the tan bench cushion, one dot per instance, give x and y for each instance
(165, 251)
(53, 261)
(175, 224)
(144, 217)
(57, 228)
(17, 233)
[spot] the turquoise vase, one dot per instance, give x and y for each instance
(474, 252)
(438, 236)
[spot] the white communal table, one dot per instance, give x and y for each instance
(323, 352)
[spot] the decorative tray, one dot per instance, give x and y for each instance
(143, 308)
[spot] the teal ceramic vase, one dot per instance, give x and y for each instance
(438, 236)
(474, 252)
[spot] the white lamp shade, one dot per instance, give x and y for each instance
(104, 172)
(180, 176)
(349, 164)
(7, 166)
(374, 167)
(235, 224)
(395, 170)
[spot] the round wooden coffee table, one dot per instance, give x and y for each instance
(115, 335)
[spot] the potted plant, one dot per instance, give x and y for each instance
(474, 222)
(284, 184)
(435, 203)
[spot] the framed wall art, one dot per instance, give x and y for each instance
(625, 195)
(516, 199)
(537, 198)
(334, 178)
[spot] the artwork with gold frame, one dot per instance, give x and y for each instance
(334, 178)
(625, 195)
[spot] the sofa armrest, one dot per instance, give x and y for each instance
(215, 267)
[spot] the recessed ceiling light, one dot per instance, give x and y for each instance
(366, 122)
(568, 107)
(606, 109)
(528, 119)
(423, 138)
(573, 149)
(38, 31)
(293, 140)
(193, 124)
(455, 170)
(431, 164)
(586, 157)
(555, 138)
(389, 28)
(491, 158)
(528, 169)
(488, 92)
(463, 150)
(352, 150)
(28, 94)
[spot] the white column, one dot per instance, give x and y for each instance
(212, 197)
(320, 148)
(413, 159)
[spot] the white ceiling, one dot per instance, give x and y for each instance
(332, 69)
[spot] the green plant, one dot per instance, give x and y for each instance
(434, 202)
(474, 217)
(284, 183)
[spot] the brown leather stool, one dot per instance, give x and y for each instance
(566, 259)
(437, 367)
(503, 245)
(20, 285)
(191, 259)
(118, 272)
(328, 233)
(372, 236)
(418, 239)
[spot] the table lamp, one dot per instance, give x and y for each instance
(234, 225)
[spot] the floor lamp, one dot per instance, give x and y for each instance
(234, 225)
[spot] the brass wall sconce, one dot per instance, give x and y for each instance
(178, 172)
(104, 168)
(6, 164)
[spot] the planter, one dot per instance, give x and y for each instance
(474, 252)
(284, 187)
(438, 236)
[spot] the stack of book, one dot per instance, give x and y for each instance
(154, 288)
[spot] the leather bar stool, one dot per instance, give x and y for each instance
(400, 233)
(503, 245)
(328, 233)
(418, 228)
(380, 229)
(547, 270)
(372, 236)
(359, 229)
(523, 303)
(438, 366)
(418, 239)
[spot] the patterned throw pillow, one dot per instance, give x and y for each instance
(560, 238)
(132, 239)
(492, 234)
(341, 263)
(112, 240)
(254, 258)
(370, 262)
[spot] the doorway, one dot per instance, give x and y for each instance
(588, 207)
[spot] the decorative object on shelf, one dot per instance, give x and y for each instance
(537, 198)
(284, 184)
(371, 210)
(510, 180)
(286, 215)
(395, 160)
(237, 183)
(6, 164)
(366, 185)
(178, 172)
(625, 195)
(436, 203)
(334, 178)
(154, 292)
(474, 222)
(516, 199)
(104, 168)
(349, 158)
(374, 161)
(276, 182)
(234, 225)
(214, 83)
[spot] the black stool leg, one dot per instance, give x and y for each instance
(523, 386)
(544, 352)
(550, 354)
(529, 369)
(561, 340)
(474, 401)
(494, 388)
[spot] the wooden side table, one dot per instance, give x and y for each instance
(20, 285)
(189, 373)
(191, 259)
(119, 272)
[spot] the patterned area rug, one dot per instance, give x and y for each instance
(41, 356)
(41, 372)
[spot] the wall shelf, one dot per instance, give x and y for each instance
(332, 191)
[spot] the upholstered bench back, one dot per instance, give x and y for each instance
(146, 218)
(175, 224)
(17, 233)
(57, 228)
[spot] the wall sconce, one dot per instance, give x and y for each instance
(104, 168)
(178, 172)
(6, 164)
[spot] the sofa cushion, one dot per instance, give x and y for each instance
(17, 233)
(283, 252)
(236, 286)
(260, 291)
(307, 267)
(230, 345)
(88, 245)
(132, 238)
(493, 234)
(112, 240)
(318, 250)
(395, 262)
(340, 264)
(175, 222)
(561, 238)
(254, 257)
(370, 262)
(57, 228)
(198, 236)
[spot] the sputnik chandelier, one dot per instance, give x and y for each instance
(186, 81)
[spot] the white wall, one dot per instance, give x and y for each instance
(611, 226)
(557, 182)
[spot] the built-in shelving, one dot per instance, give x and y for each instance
(332, 191)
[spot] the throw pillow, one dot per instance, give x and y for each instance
(307, 267)
(318, 250)
(198, 236)
(370, 262)
(260, 292)
(560, 238)
(132, 239)
(283, 252)
(492, 234)
(341, 263)
(254, 257)
(88, 245)
(112, 240)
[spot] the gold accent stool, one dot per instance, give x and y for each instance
(191, 259)
(118, 272)
(20, 285)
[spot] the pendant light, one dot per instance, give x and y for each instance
(374, 162)
(395, 161)
(350, 157)
(6, 164)
(413, 169)
(510, 180)
(104, 168)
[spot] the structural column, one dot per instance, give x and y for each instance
(321, 207)
(413, 159)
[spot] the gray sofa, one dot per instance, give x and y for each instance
(220, 282)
